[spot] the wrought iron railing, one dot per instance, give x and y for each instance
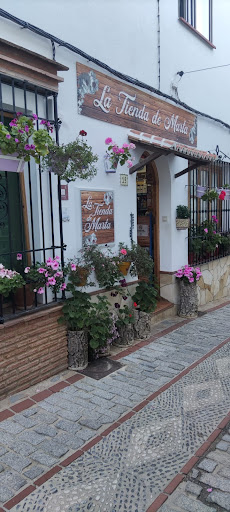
(30, 202)
(215, 243)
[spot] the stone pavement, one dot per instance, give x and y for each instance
(128, 467)
(207, 486)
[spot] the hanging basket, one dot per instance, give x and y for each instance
(10, 163)
(182, 223)
(124, 267)
(200, 191)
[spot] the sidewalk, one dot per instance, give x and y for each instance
(116, 443)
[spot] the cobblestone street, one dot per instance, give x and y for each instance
(117, 443)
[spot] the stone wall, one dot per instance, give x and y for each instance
(215, 281)
(32, 348)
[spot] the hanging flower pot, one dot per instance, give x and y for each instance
(124, 267)
(182, 223)
(11, 163)
(83, 274)
(200, 191)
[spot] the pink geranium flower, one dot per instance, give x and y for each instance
(206, 230)
(108, 140)
(73, 266)
(19, 256)
(54, 265)
(124, 252)
(129, 163)
(63, 286)
(27, 269)
(51, 281)
(40, 290)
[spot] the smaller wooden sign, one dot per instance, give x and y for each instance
(143, 231)
(97, 208)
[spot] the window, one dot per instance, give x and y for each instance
(198, 13)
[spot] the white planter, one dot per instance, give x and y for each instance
(200, 191)
(10, 163)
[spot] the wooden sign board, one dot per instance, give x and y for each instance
(97, 209)
(112, 101)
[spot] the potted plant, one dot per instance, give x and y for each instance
(72, 161)
(124, 323)
(21, 141)
(77, 317)
(10, 281)
(145, 299)
(187, 277)
(123, 259)
(118, 155)
(141, 262)
(200, 191)
(205, 238)
(78, 272)
(210, 195)
(182, 217)
(48, 274)
(100, 330)
(106, 269)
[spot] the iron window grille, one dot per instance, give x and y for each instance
(212, 177)
(30, 202)
(198, 13)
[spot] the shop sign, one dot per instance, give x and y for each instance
(110, 100)
(97, 210)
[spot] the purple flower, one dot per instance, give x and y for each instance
(26, 128)
(16, 140)
(19, 114)
(27, 147)
(114, 294)
(21, 131)
(43, 121)
(32, 146)
(124, 297)
(13, 122)
(123, 283)
(117, 305)
(8, 136)
(35, 116)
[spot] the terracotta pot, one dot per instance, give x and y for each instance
(83, 274)
(21, 300)
(124, 267)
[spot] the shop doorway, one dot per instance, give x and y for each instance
(148, 213)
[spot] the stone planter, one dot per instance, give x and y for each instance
(10, 163)
(142, 325)
(126, 336)
(188, 306)
(182, 223)
(77, 350)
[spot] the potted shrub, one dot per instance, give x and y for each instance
(78, 271)
(118, 155)
(124, 323)
(187, 277)
(72, 161)
(182, 217)
(141, 262)
(21, 141)
(145, 300)
(106, 269)
(77, 317)
(100, 329)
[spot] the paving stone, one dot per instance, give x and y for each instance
(222, 445)
(220, 498)
(26, 422)
(94, 424)
(215, 481)
(189, 505)
(208, 465)
(30, 412)
(226, 438)
(16, 462)
(5, 494)
(2, 451)
(6, 438)
(194, 473)
(107, 404)
(34, 472)
(11, 427)
(11, 480)
(49, 407)
(70, 415)
(46, 417)
(103, 394)
(54, 448)
(70, 441)
(67, 425)
(219, 456)
(224, 471)
(44, 459)
(1, 468)
(193, 488)
(85, 434)
(120, 409)
(21, 447)
(47, 430)
(32, 437)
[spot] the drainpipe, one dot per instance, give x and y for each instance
(159, 44)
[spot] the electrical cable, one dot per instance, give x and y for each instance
(181, 73)
(122, 76)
